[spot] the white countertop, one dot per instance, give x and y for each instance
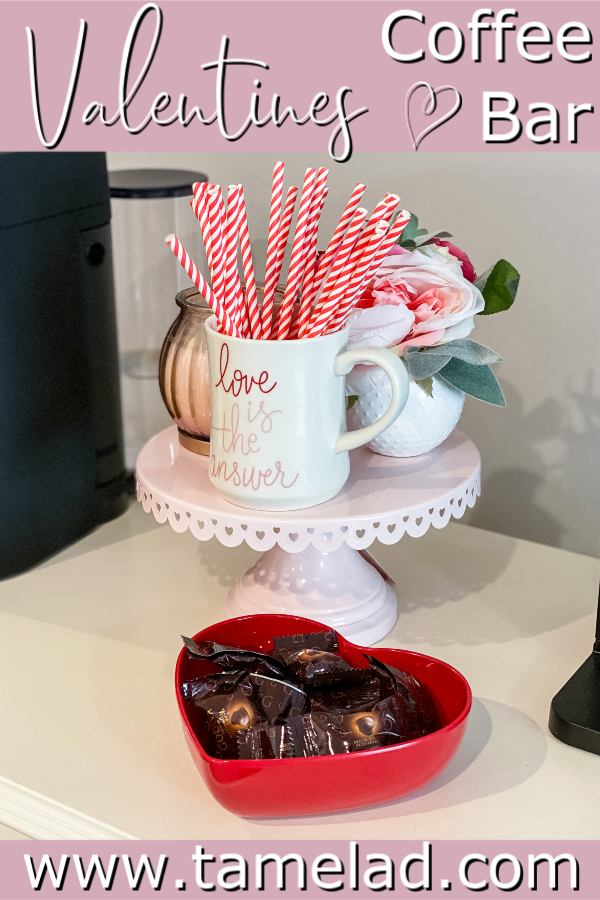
(88, 714)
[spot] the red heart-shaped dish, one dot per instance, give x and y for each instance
(297, 787)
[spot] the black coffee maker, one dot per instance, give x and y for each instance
(61, 448)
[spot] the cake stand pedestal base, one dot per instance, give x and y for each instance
(339, 588)
(312, 564)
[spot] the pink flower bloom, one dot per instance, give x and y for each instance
(438, 301)
(467, 267)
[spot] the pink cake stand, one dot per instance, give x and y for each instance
(312, 565)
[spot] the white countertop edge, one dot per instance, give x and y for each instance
(41, 818)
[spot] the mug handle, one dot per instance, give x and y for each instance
(396, 372)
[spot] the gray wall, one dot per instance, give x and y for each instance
(539, 210)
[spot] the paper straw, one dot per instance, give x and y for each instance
(297, 258)
(389, 240)
(338, 236)
(286, 222)
(312, 233)
(196, 276)
(366, 245)
(248, 266)
(391, 237)
(346, 248)
(330, 297)
(385, 208)
(200, 207)
(353, 288)
(309, 275)
(216, 238)
(364, 240)
(232, 280)
(272, 242)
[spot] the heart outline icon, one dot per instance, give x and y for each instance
(429, 107)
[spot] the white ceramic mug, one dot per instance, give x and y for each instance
(278, 433)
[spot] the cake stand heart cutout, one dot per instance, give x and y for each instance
(429, 107)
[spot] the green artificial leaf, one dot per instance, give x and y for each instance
(478, 381)
(350, 401)
(499, 287)
(422, 365)
(427, 385)
(408, 245)
(410, 231)
(424, 237)
(468, 351)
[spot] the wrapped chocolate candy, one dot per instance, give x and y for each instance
(314, 659)
(231, 707)
(276, 741)
(419, 711)
(288, 741)
(236, 658)
(303, 699)
(278, 699)
(197, 688)
(348, 697)
(253, 743)
(378, 726)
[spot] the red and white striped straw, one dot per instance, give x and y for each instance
(218, 251)
(389, 240)
(301, 320)
(338, 236)
(330, 297)
(284, 231)
(196, 276)
(347, 247)
(296, 268)
(310, 241)
(272, 243)
(363, 241)
(367, 244)
(385, 208)
(248, 266)
(353, 288)
(391, 237)
(232, 280)
(200, 207)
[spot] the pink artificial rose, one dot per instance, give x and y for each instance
(430, 292)
(467, 266)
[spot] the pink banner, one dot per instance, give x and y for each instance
(336, 75)
(145, 869)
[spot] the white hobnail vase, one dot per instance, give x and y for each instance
(425, 422)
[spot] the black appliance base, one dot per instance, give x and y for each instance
(575, 711)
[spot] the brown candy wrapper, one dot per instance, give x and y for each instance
(197, 688)
(275, 741)
(419, 711)
(253, 743)
(316, 640)
(303, 699)
(349, 697)
(314, 659)
(378, 726)
(278, 699)
(228, 710)
(236, 658)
